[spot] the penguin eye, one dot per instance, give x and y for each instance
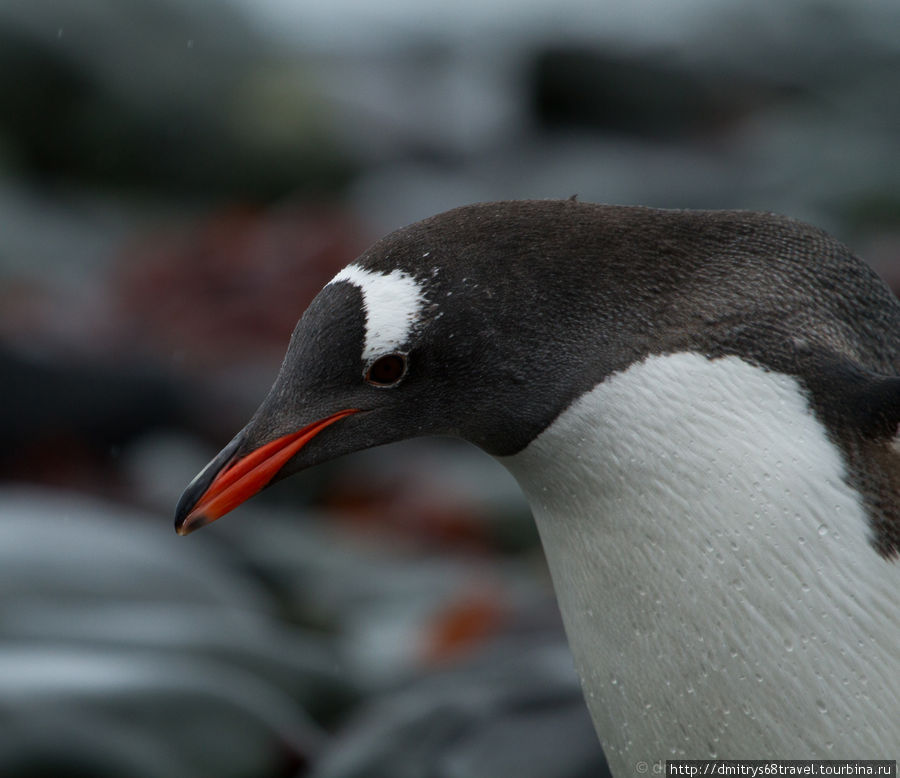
(387, 370)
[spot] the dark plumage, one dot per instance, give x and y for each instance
(669, 388)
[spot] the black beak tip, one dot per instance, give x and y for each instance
(188, 500)
(182, 527)
(197, 488)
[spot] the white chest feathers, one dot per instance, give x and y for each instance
(714, 569)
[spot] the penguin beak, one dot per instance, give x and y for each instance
(226, 482)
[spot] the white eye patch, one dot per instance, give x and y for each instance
(392, 303)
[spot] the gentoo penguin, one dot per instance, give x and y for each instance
(702, 409)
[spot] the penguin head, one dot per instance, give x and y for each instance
(486, 322)
(427, 333)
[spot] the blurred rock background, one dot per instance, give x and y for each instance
(177, 180)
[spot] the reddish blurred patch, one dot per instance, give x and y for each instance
(410, 507)
(464, 624)
(64, 460)
(231, 289)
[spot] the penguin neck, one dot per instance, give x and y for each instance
(714, 569)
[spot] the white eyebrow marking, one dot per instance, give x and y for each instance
(392, 303)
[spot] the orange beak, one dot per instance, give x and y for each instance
(239, 480)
